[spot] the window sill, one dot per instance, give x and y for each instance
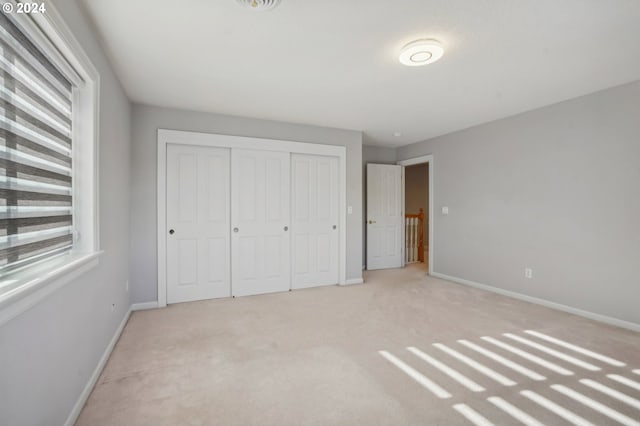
(35, 284)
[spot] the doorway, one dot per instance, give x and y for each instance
(425, 188)
(416, 214)
(391, 240)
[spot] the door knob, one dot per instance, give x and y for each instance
(334, 226)
(171, 231)
(372, 221)
(286, 228)
(235, 229)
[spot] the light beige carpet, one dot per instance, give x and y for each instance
(314, 357)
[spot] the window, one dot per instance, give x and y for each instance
(36, 183)
(48, 169)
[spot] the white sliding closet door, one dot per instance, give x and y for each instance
(198, 262)
(315, 199)
(260, 206)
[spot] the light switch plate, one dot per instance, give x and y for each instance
(445, 210)
(349, 210)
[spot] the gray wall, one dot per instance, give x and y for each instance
(376, 155)
(147, 120)
(48, 353)
(416, 194)
(556, 189)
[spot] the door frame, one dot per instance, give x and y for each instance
(179, 137)
(411, 162)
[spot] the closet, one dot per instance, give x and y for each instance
(241, 222)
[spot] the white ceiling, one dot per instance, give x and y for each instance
(334, 62)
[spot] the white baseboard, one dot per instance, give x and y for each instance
(553, 305)
(144, 306)
(353, 281)
(77, 408)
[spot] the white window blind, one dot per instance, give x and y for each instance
(36, 206)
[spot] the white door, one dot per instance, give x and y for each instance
(198, 263)
(315, 209)
(260, 239)
(384, 216)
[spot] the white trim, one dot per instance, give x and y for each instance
(416, 160)
(411, 162)
(403, 203)
(553, 305)
(353, 281)
(144, 306)
(161, 208)
(342, 184)
(41, 285)
(82, 399)
(179, 137)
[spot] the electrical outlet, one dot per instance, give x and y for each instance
(528, 273)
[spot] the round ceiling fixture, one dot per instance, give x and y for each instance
(421, 52)
(259, 5)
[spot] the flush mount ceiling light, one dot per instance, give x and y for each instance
(421, 52)
(259, 5)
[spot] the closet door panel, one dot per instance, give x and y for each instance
(198, 191)
(260, 221)
(315, 220)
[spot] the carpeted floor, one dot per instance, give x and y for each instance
(401, 349)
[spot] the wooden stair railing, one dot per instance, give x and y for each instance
(414, 237)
